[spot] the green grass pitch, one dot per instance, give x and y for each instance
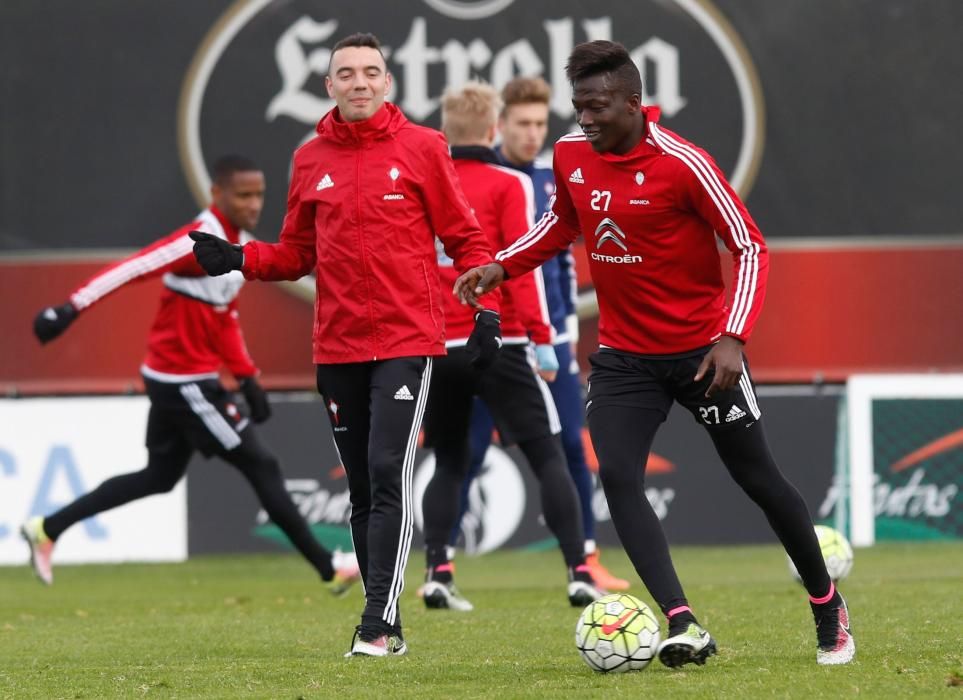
(263, 627)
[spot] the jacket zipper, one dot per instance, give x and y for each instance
(431, 301)
(364, 254)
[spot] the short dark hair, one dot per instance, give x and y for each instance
(226, 166)
(360, 39)
(523, 91)
(595, 57)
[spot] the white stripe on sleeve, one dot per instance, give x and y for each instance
(747, 277)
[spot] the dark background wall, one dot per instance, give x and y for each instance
(861, 105)
(852, 174)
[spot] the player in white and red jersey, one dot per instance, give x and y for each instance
(651, 206)
(195, 332)
(518, 398)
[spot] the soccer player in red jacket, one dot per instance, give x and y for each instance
(368, 196)
(518, 398)
(650, 205)
(195, 332)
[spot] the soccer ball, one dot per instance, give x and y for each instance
(617, 632)
(836, 551)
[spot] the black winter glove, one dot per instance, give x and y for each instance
(215, 255)
(257, 401)
(53, 321)
(485, 340)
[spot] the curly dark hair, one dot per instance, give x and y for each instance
(596, 57)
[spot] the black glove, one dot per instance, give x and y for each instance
(257, 400)
(53, 321)
(485, 340)
(215, 255)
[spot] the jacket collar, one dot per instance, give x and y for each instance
(482, 153)
(527, 168)
(232, 232)
(645, 144)
(382, 124)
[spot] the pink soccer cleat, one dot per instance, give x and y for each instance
(41, 549)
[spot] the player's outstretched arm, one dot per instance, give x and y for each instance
(215, 255)
(477, 281)
(52, 321)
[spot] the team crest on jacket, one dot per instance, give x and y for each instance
(393, 174)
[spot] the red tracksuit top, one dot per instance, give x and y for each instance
(196, 329)
(650, 220)
(366, 201)
(503, 201)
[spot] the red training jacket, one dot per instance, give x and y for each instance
(503, 201)
(196, 329)
(365, 204)
(650, 220)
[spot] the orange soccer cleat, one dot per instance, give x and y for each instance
(601, 575)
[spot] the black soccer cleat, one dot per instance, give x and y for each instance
(694, 646)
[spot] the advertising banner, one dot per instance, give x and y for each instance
(759, 84)
(905, 457)
(686, 483)
(918, 466)
(53, 450)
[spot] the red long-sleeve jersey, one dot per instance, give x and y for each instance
(196, 329)
(366, 202)
(503, 201)
(650, 220)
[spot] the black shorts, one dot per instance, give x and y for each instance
(624, 379)
(201, 413)
(519, 400)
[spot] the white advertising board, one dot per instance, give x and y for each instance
(913, 503)
(53, 450)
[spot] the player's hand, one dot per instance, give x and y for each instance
(485, 340)
(257, 401)
(725, 359)
(547, 362)
(53, 321)
(215, 255)
(477, 281)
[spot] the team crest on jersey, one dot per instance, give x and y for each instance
(639, 178)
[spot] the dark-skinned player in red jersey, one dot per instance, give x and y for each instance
(195, 332)
(651, 205)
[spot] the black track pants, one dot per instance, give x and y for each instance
(375, 409)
